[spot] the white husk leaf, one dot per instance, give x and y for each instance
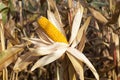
(80, 33)
(50, 57)
(43, 36)
(44, 50)
(80, 56)
(38, 42)
(52, 5)
(76, 24)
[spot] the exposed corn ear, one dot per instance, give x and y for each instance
(51, 30)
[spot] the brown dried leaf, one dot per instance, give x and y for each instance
(70, 4)
(82, 43)
(115, 39)
(77, 66)
(112, 5)
(0, 48)
(115, 13)
(24, 60)
(71, 71)
(98, 15)
(7, 56)
(43, 36)
(10, 37)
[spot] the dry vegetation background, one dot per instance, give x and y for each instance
(99, 42)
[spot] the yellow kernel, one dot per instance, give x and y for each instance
(51, 30)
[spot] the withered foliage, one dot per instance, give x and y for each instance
(97, 37)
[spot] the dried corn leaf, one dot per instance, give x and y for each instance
(119, 21)
(80, 56)
(52, 6)
(24, 60)
(82, 43)
(96, 25)
(48, 49)
(112, 4)
(70, 4)
(43, 48)
(10, 37)
(37, 42)
(77, 66)
(50, 57)
(2, 36)
(98, 15)
(7, 55)
(5, 72)
(43, 36)
(81, 32)
(71, 71)
(0, 48)
(72, 11)
(115, 14)
(76, 24)
(115, 39)
(3, 12)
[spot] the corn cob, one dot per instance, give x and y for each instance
(51, 30)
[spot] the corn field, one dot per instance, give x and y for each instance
(59, 39)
